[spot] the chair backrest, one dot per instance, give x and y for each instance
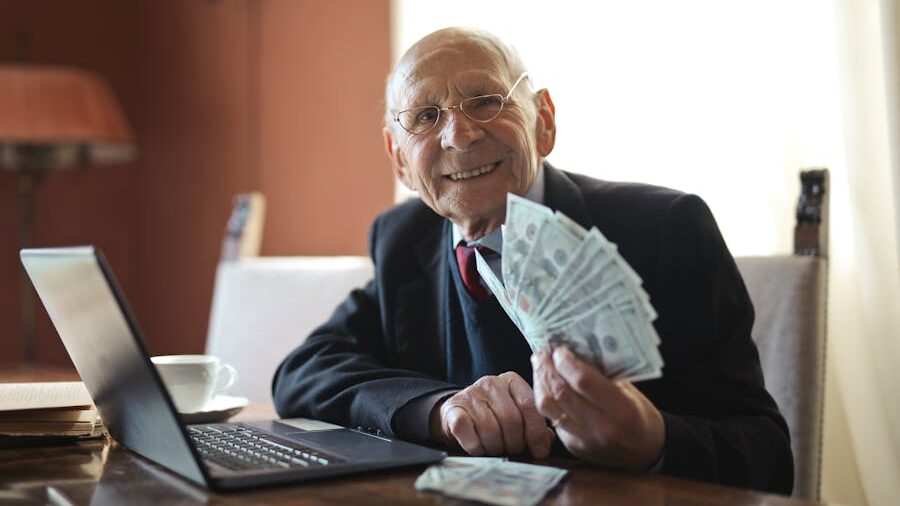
(789, 297)
(264, 307)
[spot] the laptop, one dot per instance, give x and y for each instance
(101, 335)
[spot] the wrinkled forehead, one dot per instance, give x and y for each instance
(436, 71)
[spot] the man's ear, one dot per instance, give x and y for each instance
(395, 155)
(546, 123)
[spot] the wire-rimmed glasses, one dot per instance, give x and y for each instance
(482, 109)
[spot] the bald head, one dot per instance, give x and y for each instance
(445, 41)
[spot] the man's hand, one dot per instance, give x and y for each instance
(599, 420)
(494, 416)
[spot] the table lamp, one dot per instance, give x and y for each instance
(52, 118)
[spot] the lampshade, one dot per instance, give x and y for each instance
(69, 114)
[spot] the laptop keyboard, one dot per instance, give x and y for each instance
(239, 447)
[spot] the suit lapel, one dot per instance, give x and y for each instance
(563, 195)
(421, 301)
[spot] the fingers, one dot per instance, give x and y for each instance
(544, 400)
(488, 427)
(569, 390)
(494, 416)
(583, 378)
(471, 423)
(503, 404)
(602, 421)
(458, 425)
(537, 436)
(556, 399)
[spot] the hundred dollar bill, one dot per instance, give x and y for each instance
(523, 220)
(637, 324)
(628, 346)
(450, 470)
(593, 289)
(551, 252)
(597, 249)
(571, 225)
(590, 254)
(496, 287)
(507, 483)
(602, 338)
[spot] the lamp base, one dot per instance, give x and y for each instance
(30, 173)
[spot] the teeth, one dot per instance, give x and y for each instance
(474, 172)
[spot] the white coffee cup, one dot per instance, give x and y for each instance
(193, 380)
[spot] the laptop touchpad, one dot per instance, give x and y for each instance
(347, 443)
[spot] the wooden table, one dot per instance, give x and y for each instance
(102, 473)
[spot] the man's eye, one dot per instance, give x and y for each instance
(428, 115)
(486, 101)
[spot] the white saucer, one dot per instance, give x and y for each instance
(219, 409)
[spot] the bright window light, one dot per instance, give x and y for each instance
(728, 100)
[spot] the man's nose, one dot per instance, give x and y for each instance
(458, 131)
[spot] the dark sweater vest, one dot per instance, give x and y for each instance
(481, 339)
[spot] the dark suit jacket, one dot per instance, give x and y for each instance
(385, 345)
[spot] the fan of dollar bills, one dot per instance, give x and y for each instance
(564, 285)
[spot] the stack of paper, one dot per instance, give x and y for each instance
(48, 409)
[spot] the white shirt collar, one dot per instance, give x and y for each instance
(494, 240)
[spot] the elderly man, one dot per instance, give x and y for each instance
(422, 353)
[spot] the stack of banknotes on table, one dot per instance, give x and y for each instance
(490, 480)
(564, 285)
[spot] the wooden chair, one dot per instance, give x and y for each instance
(789, 297)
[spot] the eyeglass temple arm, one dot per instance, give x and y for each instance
(511, 90)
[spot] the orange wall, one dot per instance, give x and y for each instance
(278, 96)
(322, 163)
(87, 205)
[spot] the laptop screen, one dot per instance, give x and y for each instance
(101, 336)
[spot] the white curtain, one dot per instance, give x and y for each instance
(729, 99)
(863, 413)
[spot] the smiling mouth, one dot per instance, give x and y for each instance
(478, 171)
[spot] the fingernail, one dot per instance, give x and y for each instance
(558, 354)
